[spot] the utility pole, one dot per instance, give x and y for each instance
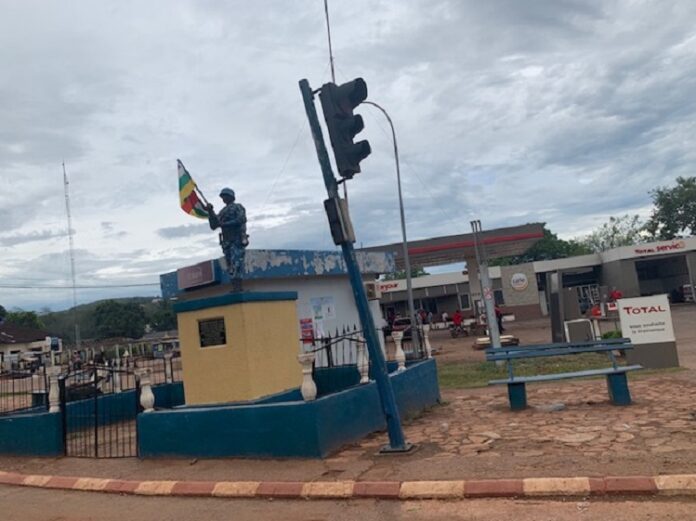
(486, 285)
(348, 156)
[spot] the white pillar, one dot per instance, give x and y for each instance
(116, 372)
(426, 337)
(168, 376)
(399, 356)
(308, 387)
(147, 398)
(363, 361)
(53, 389)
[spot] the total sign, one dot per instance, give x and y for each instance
(646, 320)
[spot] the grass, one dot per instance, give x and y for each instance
(462, 375)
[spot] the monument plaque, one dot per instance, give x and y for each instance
(212, 332)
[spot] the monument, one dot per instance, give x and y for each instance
(233, 236)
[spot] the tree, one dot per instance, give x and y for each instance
(618, 231)
(547, 248)
(113, 319)
(163, 318)
(675, 210)
(3, 313)
(27, 319)
(417, 271)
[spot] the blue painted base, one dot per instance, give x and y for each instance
(38, 434)
(618, 389)
(291, 428)
(517, 393)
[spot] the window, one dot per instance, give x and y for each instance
(499, 300)
(212, 332)
(464, 299)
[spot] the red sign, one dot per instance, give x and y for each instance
(388, 285)
(307, 330)
(634, 310)
(196, 275)
(661, 248)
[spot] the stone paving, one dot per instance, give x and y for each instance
(566, 418)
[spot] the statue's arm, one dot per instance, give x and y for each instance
(213, 219)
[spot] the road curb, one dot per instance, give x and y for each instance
(667, 485)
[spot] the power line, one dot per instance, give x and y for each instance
(105, 286)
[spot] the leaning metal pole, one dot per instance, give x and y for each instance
(407, 261)
(397, 442)
(486, 286)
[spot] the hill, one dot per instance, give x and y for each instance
(62, 323)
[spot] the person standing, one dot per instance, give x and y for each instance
(499, 318)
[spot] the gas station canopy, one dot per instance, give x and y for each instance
(500, 242)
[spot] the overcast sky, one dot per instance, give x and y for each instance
(558, 111)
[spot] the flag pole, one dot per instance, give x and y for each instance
(198, 190)
(195, 186)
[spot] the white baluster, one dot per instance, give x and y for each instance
(426, 337)
(116, 372)
(168, 376)
(308, 387)
(399, 356)
(147, 398)
(363, 360)
(53, 389)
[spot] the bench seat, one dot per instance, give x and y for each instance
(560, 376)
(617, 383)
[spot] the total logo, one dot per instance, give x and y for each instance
(635, 310)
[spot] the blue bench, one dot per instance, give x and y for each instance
(617, 382)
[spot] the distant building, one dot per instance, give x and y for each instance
(17, 343)
(664, 267)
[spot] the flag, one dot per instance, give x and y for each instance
(190, 202)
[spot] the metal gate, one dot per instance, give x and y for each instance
(99, 406)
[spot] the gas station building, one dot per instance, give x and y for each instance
(664, 267)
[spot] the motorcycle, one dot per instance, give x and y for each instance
(456, 331)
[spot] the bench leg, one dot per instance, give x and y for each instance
(617, 384)
(517, 393)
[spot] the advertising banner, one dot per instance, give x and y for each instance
(646, 320)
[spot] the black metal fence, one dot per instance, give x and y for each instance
(23, 391)
(341, 347)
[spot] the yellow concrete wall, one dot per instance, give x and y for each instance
(271, 329)
(259, 358)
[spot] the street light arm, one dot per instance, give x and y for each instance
(407, 261)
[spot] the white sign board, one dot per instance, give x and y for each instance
(323, 308)
(646, 320)
(519, 281)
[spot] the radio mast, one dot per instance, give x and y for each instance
(72, 257)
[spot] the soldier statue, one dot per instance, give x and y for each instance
(233, 236)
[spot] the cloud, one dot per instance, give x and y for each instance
(37, 236)
(509, 112)
(186, 230)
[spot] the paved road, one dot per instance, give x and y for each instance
(26, 504)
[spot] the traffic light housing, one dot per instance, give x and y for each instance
(338, 102)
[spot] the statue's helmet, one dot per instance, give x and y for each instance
(227, 191)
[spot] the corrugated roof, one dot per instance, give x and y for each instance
(14, 334)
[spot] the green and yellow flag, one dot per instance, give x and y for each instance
(190, 202)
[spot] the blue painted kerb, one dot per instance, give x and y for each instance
(233, 298)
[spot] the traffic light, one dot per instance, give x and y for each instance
(338, 102)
